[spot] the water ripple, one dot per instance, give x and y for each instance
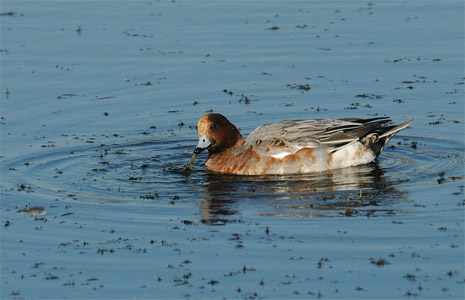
(143, 171)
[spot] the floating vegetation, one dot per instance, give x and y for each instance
(102, 197)
(33, 211)
(273, 28)
(244, 98)
(229, 92)
(188, 166)
(380, 262)
(299, 86)
(369, 96)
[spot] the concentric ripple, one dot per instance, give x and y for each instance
(148, 170)
(426, 162)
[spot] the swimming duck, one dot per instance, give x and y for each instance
(292, 147)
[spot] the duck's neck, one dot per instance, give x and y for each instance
(240, 141)
(232, 143)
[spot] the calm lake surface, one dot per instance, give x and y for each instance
(99, 103)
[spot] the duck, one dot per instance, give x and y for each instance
(292, 146)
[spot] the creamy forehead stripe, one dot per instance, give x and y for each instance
(203, 125)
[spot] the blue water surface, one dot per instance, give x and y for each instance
(99, 103)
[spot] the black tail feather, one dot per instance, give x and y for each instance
(374, 134)
(370, 126)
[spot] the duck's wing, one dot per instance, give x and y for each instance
(281, 139)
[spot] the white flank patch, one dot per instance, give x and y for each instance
(351, 155)
(281, 155)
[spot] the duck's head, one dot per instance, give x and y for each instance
(216, 134)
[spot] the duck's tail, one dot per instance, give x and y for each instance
(374, 133)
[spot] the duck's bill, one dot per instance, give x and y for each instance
(199, 150)
(203, 144)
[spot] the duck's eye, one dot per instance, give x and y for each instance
(214, 125)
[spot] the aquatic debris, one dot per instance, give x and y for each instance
(49, 276)
(188, 166)
(404, 59)
(23, 187)
(228, 92)
(349, 212)
(441, 179)
(356, 105)
(66, 96)
(103, 97)
(369, 96)
(182, 280)
(213, 282)
(321, 261)
(150, 196)
(246, 269)
(272, 28)
(244, 99)
(317, 108)
(410, 277)
(145, 165)
(9, 13)
(102, 250)
(37, 265)
(299, 86)
(381, 262)
(33, 211)
(173, 201)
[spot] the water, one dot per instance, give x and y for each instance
(99, 104)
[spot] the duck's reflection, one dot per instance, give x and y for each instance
(362, 190)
